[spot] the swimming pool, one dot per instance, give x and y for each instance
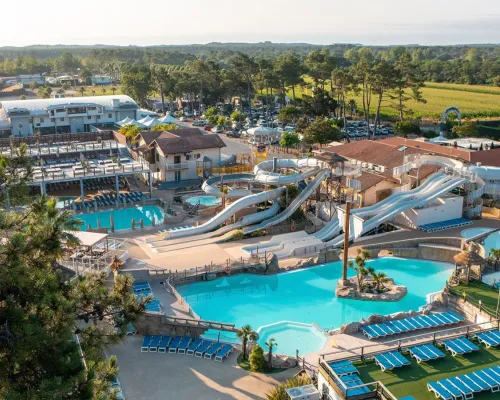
(308, 295)
(207, 201)
(491, 241)
(123, 217)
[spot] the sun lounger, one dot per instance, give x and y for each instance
(454, 391)
(475, 384)
(460, 346)
(480, 375)
(351, 381)
(466, 391)
(203, 348)
(223, 352)
(145, 343)
(153, 345)
(439, 391)
(383, 363)
(164, 342)
(193, 346)
(212, 350)
(488, 339)
(175, 344)
(344, 367)
(131, 329)
(183, 345)
(391, 360)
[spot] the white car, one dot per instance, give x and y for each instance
(183, 119)
(217, 129)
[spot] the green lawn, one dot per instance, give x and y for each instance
(479, 291)
(412, 380)
(473, 101)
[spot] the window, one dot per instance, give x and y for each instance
(59, 110)
(91, 108)
(110, 115)
(52, 120)
(77, 110)
(198, 155)
(157, 156)
(42, 120)
(62, 119)
(177, 175)
(89, 117)
(188, 157)
(98, 117)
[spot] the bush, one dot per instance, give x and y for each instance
(405, 128)
(279, 393)
(257, 359)
(238, 235)
(429, 134)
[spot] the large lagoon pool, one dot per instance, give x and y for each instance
(308, 295)
(122, 218)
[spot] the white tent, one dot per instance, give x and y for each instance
(168, 119)
(262, 134)
(149, 121)
(125, 121)
(129, 121)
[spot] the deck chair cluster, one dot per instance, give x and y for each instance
(143, 289)
(201, 348)
(464, 387)
(425, 352)
(390, 360)
(349, 376)
(411, 324)
(460, 346)
(489, 339)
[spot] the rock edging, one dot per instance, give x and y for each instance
(349, 290)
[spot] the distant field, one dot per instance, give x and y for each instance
(473, 101)
(98, 90)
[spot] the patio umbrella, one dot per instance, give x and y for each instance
(469, 258)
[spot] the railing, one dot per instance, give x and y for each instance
(471, 298)
(220, 326)
(7, 143)
(181, 299)
(176, 166)
(398, 244)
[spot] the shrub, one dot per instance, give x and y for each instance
(405, 128)
(257, 358)
(238, 235)
(429, 134)
(279, 393)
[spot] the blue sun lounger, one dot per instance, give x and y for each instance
(451, 389)
(474, 383)
(425, 352)
(223, 352)
(164, 342)
(203, 348)
(486, 378)
(489, 339)
(183, 345)
(212, 350)
(466, 391)
(342, 368)
(351, 381)
(175, 344)
(193, 346)
(460, 346)
(439, 391)
(145, 343)
(140, 285)
(153, 345)
(390, 360)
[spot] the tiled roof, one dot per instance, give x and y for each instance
(186, 140)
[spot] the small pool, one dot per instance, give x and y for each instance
(123, 217)
(491, 241)
(308, 295)
(206, 201)
(288, 333)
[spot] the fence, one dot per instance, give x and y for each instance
(7, 143)
(472, 299)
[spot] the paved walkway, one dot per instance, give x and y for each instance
(159, 376)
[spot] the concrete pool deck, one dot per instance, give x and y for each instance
(157, 376)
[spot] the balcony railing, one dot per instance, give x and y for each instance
(177, 166)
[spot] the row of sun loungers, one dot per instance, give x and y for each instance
(464, 387)
(110, 199)
(489, 339)
(460, 346)
(344, 367)
(425, 352)
(349, 376)
(143, 289)
(389, 361)
(411, 324)
(200, 348)
(440, 226)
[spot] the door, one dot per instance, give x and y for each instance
(177, 159)
(177, 175)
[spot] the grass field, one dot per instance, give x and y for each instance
(479, 291)
(472, 101)
(412, 380)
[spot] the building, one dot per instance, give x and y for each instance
(101, 80)
(66, 115)
(377, 160)
(26, 80)
(179, 155)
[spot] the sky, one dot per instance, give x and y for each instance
(156, 22)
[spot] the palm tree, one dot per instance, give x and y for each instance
(271, 343)
(93, 92)
(495, 255)
(359, 267)
(379, 278)
(224, 190)
(113, 89)
(246, 332)
(103, 91)
(82, 90)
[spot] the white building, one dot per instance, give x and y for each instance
(179, 155)
(66, 115)
(26, 80)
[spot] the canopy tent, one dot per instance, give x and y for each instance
(129, 121)
(263, 134)
(168, 119)
(149, 121)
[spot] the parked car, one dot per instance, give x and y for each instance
(208, 128)
(183, 119)
(217, 129)
(201, 122)
(233, 134)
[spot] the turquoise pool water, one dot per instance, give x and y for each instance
(122, 217)
(491, 241)
(203, 200)
(308, 295)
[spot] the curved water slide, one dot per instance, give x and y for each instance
(332, 228)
